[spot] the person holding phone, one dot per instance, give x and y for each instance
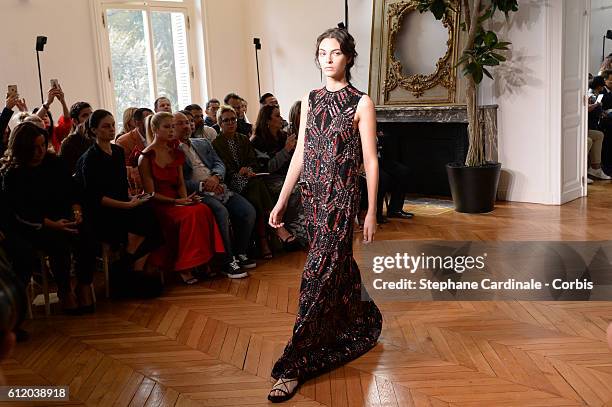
(190, 231)
(57, 133)
(12, 100)
(116, 217)
(44, 202)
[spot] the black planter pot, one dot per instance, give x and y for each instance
(473, 188)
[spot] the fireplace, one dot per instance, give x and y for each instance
(427, 138)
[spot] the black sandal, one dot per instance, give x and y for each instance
(287, 395)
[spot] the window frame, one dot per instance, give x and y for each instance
(102, 50)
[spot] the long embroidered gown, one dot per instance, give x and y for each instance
(333, 324)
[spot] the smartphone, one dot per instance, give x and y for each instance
(12, 90)
(54, 83)
(145, 197)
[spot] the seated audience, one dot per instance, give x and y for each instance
(235, 101)
(595, 136)
(79, 113)
(162, 104)
(128, 121)
(204, 171)
(75, 145)
(274, 149)
(606, 65)
(5, 118)
(42, 197)
(240, 160)
(605, 123)
(393, 176)
(189, 228)
(201, 130)
(245, 108)
(56, 133)
(190, 120)
(116, 218)
(268, 99)
(133, 142)
(212, 107)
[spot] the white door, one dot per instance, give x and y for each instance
(574, 87)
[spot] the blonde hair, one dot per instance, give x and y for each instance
(224, 109)
(128, 115)
(153, 123)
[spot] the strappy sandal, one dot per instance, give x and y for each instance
(286, 393)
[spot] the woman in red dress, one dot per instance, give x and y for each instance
(191, 233)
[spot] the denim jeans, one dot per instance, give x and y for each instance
(242, 215)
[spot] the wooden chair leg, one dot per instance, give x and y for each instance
(30, 298)
(93, 293)
(105, 265)
(45, 281)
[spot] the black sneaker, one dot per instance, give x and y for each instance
(232, 270)
(245, 262)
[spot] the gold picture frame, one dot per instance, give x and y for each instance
(389, 84)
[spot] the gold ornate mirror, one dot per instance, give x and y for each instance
(413, 55)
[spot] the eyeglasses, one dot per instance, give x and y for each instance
(230, 120)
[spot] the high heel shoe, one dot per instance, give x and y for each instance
(286, 394)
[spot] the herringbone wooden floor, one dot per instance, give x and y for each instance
(214, 344)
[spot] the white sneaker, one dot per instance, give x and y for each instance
(589, 181)
(598, 173)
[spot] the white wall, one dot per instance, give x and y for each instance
(227, 44)
(68, 55)
(520, 91)
(288, 31)
(601, 21)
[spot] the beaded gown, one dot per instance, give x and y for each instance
(333, 324)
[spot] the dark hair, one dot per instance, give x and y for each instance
(230, 96)
(596, 82)
(264, 140)
(158, 99)
(294, 116)
(606, 74)
(263, 98)
(186, 112)
(193, 106)
(51, 126)
(211, 101)
(94, 121)
(75, 109)
(139, 113)
(20, 148)
(347, 46)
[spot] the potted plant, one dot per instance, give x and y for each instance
(474, 183)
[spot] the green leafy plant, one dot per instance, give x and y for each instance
(482, 50)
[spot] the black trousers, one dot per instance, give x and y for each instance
(26, 245)
(605, 125)
(393, 177)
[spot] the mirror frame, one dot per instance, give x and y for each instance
(387, 76)
(418, 83)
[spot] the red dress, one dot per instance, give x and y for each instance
(191, 233)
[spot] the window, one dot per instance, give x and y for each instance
(148, 52)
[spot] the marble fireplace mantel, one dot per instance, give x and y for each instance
(426, 114)
(444, 114)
